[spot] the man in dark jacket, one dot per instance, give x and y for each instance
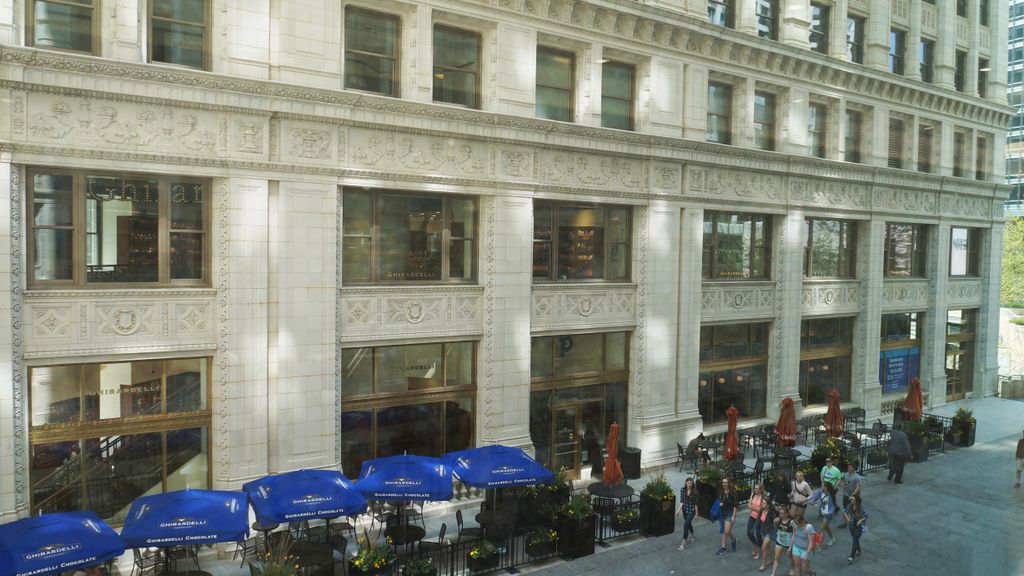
(899, 452)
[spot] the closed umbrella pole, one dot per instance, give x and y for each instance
(732, 448)
(612, 469)
(785, 428)
(834, 416)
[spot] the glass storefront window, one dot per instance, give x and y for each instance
(580, 242)
(826, 345)
(735, 246)
(89, 229)
(961, 326)
(963, 251)
(900, 355)
(905, 250)
(829, 248)
(391, 237)
(733, 364)
(82, 457)
(578, 354)
(409, 368)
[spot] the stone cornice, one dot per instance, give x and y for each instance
(121, 294)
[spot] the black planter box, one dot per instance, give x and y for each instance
(481, 564)
(967, 434)
(354, 570)
(576, 536)
(657, 517)
(705, 499)
(918, 447)
(541, 548)
(627, 526)
(876, 459)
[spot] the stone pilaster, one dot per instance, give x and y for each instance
(933, 352)
(837, 34)
(986, 361)
(695, 102)
(517, 63)
(13, 397)
(876, 37)
(690, 244)
(945, 47)
(870, 271)
(784, 345)
(796, 20)
(912, 57)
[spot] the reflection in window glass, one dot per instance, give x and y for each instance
(588, 242)
(617, 95)
(904, 250)
(733, 364)
(735, 245)
(719, 113)
(764, 121)
(413, 367)
(459, 363)
(963, 251)
(178, 32)
(63, 24)
(52, 226)
(456, 66)
(356, 371)
(578, 354)
(819, 28)
(554, 84)
(720, 12)
(541, 357)
(371, 41)
(124, 217)
(829, 248)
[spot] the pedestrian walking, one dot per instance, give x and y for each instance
(852, 483)
(799, 493)
(856, 517)
(830, 474)
(727, 500)
(780, 490)
(768, 518)
(757, 505)
(784, 528)
(1020, 460)
(688, 507)
(899, 452)
(827, 510)
(802, 546)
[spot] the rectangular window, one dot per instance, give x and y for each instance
(963, 251)
(767, 19)
(925, 137)
(854, 136)
(905, 250)
(736, 246)
(733, 371)
(178, 32)
(102, 435)
(825, 349)
(416, 399)
(555, 69)
(829, 248)
(720, 12)
(764, 121)
(897, 51)
(899, 359)
(981, 161)
(819, 28)
(927, 57)
(403, 237)
(960, 68)
(91, 229)
(580, 242)
(855, 39)
(371, 51)
(817, 130)
(961, 8)
(983, 8)
(456, 66)
(983, 70)
(63, 24)
(719, 113)
(959, 154)
(617, 95)
(896, 129)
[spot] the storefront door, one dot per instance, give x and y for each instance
(959, 367)
(576, 437)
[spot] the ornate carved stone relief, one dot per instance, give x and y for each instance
(382, 150)
(830, 298)
(582, 306)
(905, 295)
(964, 292)
(910, 201)
(589, 171)
(721, 301)
(516, 162)
(304, 141)
(413, 312)
(666, 178)
(828, 194)
(71, 323)
(739, 184)
(121, 125)
(966, 206)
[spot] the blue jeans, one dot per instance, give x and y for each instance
(855, 531)
(754, 531)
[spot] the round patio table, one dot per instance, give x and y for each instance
(495, 520)
(309, 555)
(404, 535)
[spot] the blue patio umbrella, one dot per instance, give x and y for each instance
(405, 477)
(53, 543)
(303, 495)
(186, 517)
(497, 466)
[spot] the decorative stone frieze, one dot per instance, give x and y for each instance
(729, 301)
(968, 292)
(830, 297)
(906, 201)
(579, 306)
(829, 194)
(87, 322)
(390, 312)
(904, 295)
(963, 206)
(393, 151)
(736, 184)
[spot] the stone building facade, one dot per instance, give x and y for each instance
(253, 236)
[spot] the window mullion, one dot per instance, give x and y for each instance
(446, 239)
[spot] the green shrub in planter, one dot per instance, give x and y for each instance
(965, 422)
(576, 527)
(625, 520)
(657, 507)
(484, 556)
(541, 542)
(419, 567)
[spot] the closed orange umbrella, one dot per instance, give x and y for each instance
(786, 426)
(834, 416)
(732, 447)
(612, 469)
(913, 406)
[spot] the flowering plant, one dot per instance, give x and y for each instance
(277, 560)
(542, 535)
(419, 567)
(964, 416)
(483, 549)
(626, 515)
(372, 555)
(578, 507)
(558, 482)
(658, 488)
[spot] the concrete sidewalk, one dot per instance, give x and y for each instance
(957, 513)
